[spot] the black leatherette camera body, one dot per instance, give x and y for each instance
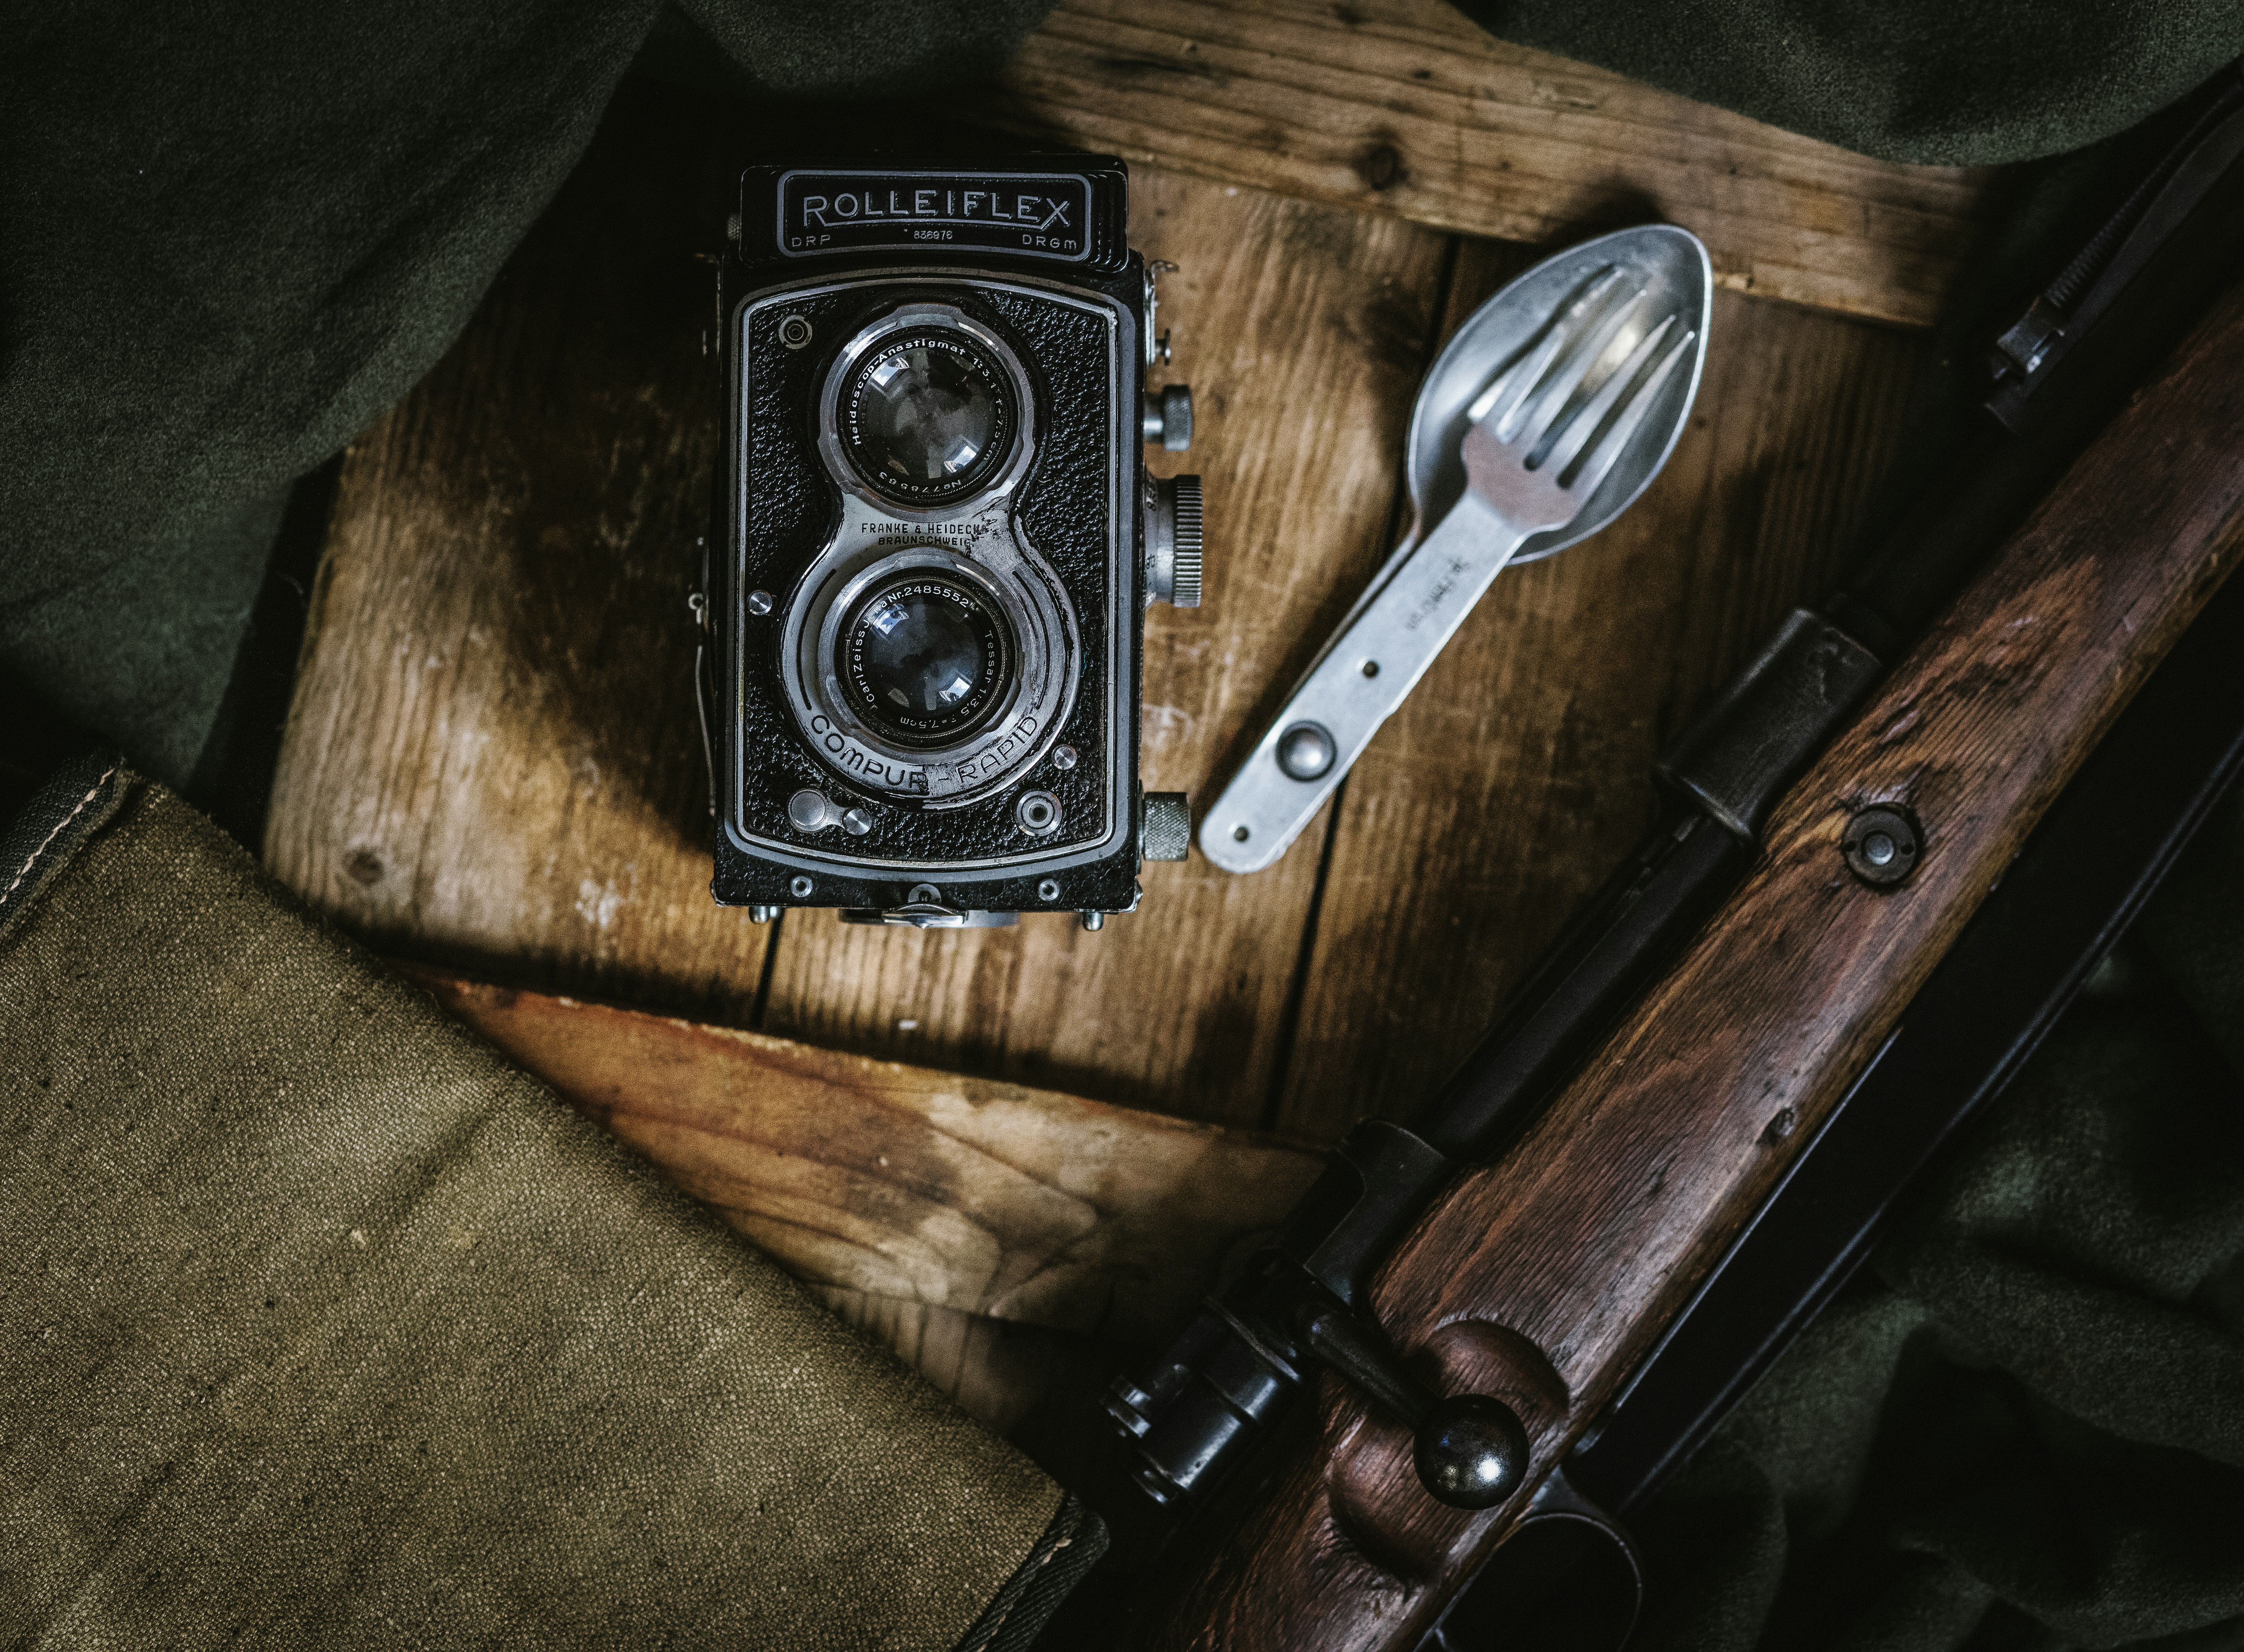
(1061, 552)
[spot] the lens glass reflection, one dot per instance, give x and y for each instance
(927, 417)
(924, 660)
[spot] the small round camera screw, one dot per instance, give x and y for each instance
(1306, 751)
(795, 331)
(799, 887)
(1239, 834)
(856, 822)
(1063, 758)
(922, 893)
(1036, 813)
(761, 602)
(1048, 890)
(1881, 846)
(1371, 668)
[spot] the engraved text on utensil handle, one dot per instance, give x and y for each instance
(1364, 673)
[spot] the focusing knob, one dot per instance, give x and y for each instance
(1184, 580)
(1172, 540)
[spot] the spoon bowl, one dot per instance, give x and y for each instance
(1679, 281)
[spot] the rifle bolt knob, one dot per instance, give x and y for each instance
(1881, 846)
(1471, 1451)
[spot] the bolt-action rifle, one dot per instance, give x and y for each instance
(1480, 1334)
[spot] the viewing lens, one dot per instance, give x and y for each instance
(927, 417)
(924, 660)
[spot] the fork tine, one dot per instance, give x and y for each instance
(1513, 387)
(1566, 380)
(1563, 339)
(1584, 425)
(1526, 370)
(1632, 416)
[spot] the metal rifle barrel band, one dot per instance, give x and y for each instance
(2113, 311)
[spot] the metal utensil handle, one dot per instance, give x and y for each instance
(1365, 672)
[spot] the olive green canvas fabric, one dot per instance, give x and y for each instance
(322, 1327)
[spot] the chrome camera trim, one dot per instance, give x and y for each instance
(1046, 666)
(973, 528)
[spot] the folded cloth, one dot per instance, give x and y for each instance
(237, 232)
(320, 1325)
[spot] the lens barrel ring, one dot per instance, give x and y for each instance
(925, 659)
(961, 354)
(994, 739)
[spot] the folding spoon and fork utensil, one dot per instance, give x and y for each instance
(1545, 417)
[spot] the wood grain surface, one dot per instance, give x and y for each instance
(1518, 773)
(493, 758)
(1004, 1373)
(1406, 107)
(493, 766)
(1543, 1277)
(901, 1181)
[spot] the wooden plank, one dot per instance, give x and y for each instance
(493, 758)
(1304, 331)
(870, 1176)
(1036, 1386)
(1543, 1277)
(1406, 107)
(1039, 1388)
(1519, 773)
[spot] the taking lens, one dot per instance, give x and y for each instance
(924, 660)
(927, 415)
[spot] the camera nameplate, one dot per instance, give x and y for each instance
(830, 210)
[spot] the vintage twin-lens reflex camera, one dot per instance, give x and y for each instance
(936, 539)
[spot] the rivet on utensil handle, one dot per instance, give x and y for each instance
(1306, 751)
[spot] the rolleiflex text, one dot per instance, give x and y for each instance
(1045, 214)
(958, 206)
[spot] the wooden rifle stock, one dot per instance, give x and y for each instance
(1541, 1279)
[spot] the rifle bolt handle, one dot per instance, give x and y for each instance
(1471, 1451)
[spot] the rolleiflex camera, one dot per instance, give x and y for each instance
(935, 541)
